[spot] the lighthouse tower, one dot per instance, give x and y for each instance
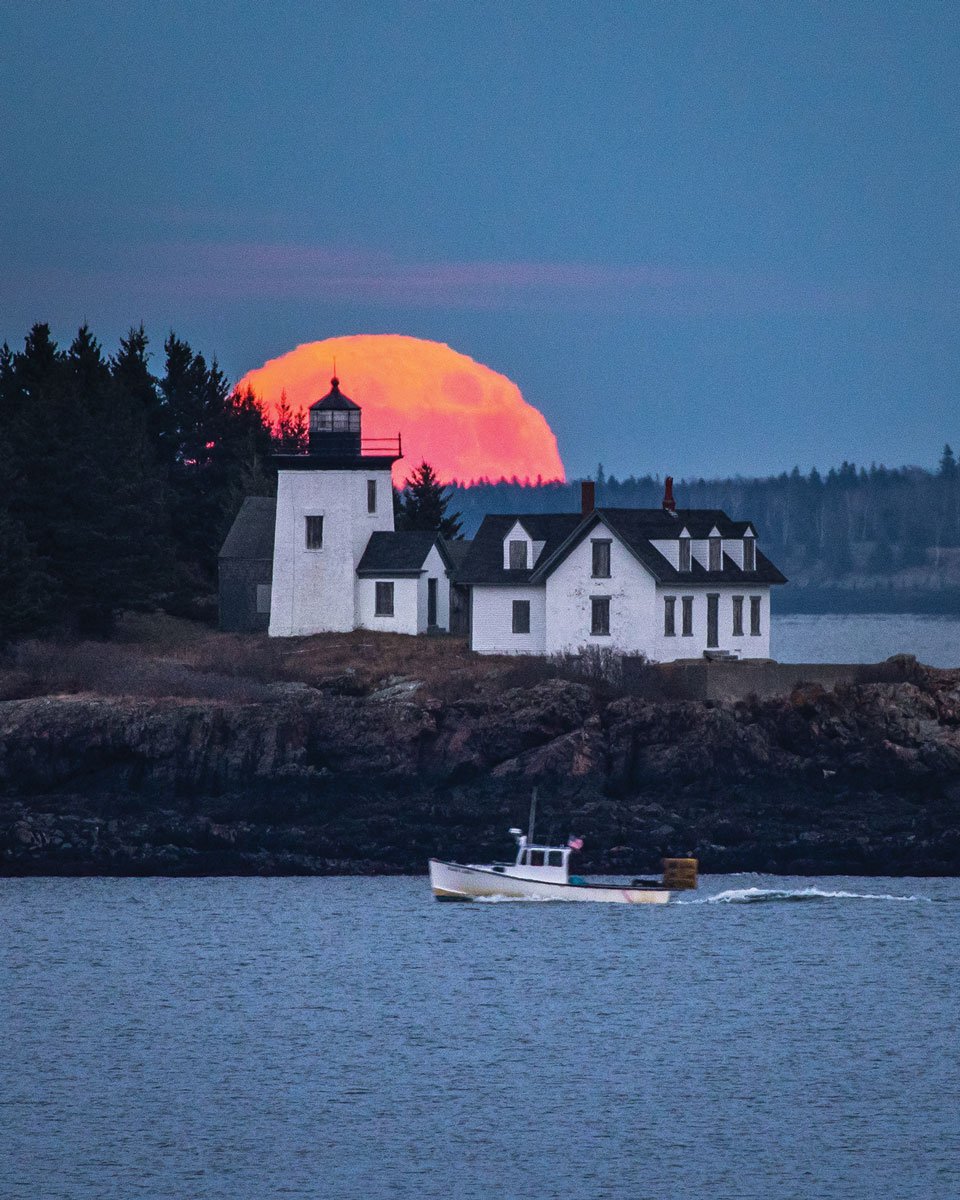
(329, 501)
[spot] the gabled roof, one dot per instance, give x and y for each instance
(636, 528)
(252, 531)
(400, 553)
(457, 550)
(334, 399)
(483, 562)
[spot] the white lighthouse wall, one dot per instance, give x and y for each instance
(314, 590)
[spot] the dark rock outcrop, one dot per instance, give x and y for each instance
(861, 779)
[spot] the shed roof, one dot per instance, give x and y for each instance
(251, 534)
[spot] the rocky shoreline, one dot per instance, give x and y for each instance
(858, 780)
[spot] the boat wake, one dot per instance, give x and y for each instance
(756, 895)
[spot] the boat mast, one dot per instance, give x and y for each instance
(533, 814)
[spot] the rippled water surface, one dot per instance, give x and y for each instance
(864, 637)
(766, 1037)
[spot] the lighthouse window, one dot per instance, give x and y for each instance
(341, 422)
(384, 600)
(371, 495)
(314, 533)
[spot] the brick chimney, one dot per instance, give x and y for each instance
(669, 504)
(588, 497)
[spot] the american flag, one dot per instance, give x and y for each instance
(575, 843)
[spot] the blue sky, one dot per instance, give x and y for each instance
(703, 238)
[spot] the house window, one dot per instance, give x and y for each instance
(738, 616)
(684, 554)
(601, 559)
(749, 554)
(314, 532)
(521, 616)
(518, 556)
(716, 554)
(371, 495)
(600, 616)
(669, 616)
(384, 599)
(686, 609)
(263, 599)
(754, 616)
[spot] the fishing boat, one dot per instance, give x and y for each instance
(541, 871)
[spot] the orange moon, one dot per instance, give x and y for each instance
(468, 421)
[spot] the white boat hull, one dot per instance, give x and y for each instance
(454, 881)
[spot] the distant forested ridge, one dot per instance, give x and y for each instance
(121, 473)
(854, 539)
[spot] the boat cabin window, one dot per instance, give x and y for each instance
(535, 858)
(555, 858)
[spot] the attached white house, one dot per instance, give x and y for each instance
(324, 557)
(660, 582)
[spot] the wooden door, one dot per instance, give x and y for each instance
(431, 602)
(713, 621)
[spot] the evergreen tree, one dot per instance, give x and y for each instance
(948, 464)
(290, 434)
(423, 504)
(219, 445)
(26, 590)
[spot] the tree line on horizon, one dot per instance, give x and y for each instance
(865, 522)
(118, 486)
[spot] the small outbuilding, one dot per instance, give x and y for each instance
(246, 567)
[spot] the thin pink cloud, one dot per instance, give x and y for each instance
(265, 270)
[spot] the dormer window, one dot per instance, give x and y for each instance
(716, 554)
(684, 554)
(749, 554)
(518, 555)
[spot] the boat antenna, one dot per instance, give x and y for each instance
(533, 814)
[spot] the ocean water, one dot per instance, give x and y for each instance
(865, 637)
(784, 1039)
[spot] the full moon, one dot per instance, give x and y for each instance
(468, 421)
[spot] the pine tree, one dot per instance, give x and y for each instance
(290, 428)
(220, 443)
(948, 464)
(423, 505)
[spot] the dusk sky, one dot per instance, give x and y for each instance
(702, 238)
